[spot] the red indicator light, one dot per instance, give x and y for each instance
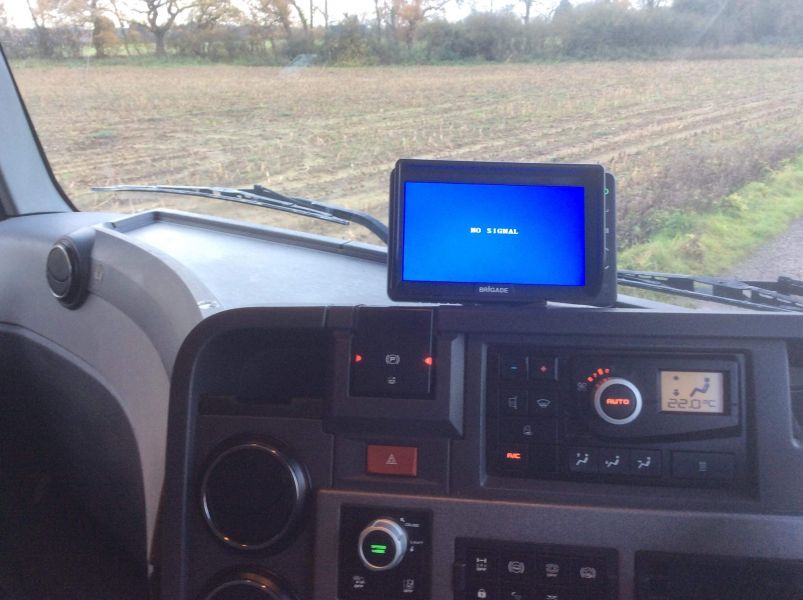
(590, 379)
(607, 371)
(513, 455)
(544, 368)
(617, 401)
(358, 358)
(428, 361)
(600, 372)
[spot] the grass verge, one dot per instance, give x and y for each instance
(714, 241)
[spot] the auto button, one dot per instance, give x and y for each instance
(617, 401)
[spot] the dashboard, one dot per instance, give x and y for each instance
(324, 442)
(489, 471)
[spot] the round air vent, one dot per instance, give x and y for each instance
(253, 495)
(68, 267)
(249, 586)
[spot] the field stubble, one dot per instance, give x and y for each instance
(678, 135)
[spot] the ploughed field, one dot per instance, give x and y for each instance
(678, 134)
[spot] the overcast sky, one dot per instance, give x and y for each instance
(19, 16)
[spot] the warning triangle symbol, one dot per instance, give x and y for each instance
(391, 460)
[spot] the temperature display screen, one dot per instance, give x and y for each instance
(693, 392)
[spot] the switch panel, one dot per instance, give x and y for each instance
(392, 357)
(494, 570)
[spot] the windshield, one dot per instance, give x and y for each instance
(696, 106)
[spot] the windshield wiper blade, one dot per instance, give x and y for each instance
(266, 198)
(784, 295)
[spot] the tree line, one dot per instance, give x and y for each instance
(281, 31)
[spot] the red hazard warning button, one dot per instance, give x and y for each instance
(392, 460)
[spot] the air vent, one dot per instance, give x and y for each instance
(67, 269)
(253, 495)
(249, 584)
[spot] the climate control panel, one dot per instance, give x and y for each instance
(628, 417)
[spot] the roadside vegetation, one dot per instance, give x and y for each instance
(278, 32)
(715, 240)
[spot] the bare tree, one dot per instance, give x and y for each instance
(286, 14)
(41, 16)
(379, 10)
(651, 4)
(206, 14)
(412, 13)
(125, 25)
(49, 14)
(528, 6)
(204, 19)
(302, 18)
(93, 13)
(160, 16)
(324, 13)
(542, 7)
(274, 12)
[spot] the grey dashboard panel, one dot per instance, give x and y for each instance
(153, 278)
(100, 336)
(244, 265)
(626, 530)
(80, 413)
(213, 308)
(760, 519)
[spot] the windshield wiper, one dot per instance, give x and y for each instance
(785, 295)
(266, 198)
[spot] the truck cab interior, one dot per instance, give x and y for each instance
(202, 408)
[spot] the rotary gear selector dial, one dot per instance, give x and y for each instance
(382, 545)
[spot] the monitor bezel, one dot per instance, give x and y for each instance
(592, 178)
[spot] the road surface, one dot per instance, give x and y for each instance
(781, 256)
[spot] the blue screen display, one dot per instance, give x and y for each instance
(493, 233)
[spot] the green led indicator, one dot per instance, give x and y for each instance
(378, 549)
